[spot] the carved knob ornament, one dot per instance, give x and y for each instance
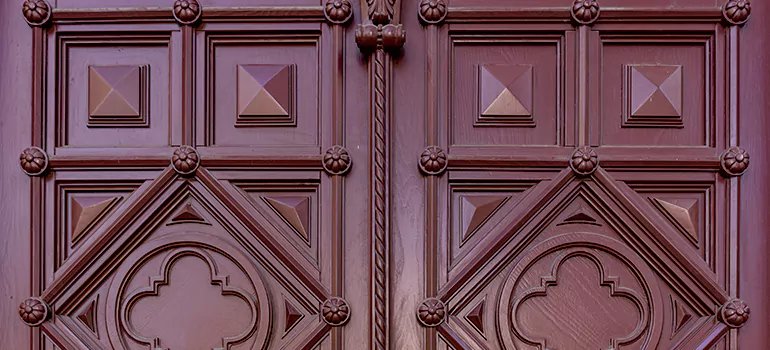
(34, 311)
(584, 161)
(734, 161)
(187, 12)
(336, 160)
(734, 313)
(431, 312)
(33, 161)
(736, 11)
(584, 11)
(433, 160)
(185, 160)
(432, 11)
(338, 11)
(36, 12)
(335, 311)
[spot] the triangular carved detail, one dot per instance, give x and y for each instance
(86, 211)
(476, 316)
(683, 213)
(476, 210)
(87, 315)
(292, 316)
(188, 215)
(295, 210)
(580, 218)
(681, 315)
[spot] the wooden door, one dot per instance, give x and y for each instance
(425, 174)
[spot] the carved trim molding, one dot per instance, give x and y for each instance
(33, 161)
(736, 12)
(584, 161)
(584, 12)
(335, 311)
(734, 313)
(34, 311)
(338, 11)
(433, 161)
(336, 161)
(734, 161)
(187, 12)
(432, 11)
(185, 160)
(36, 12)
(431, 312)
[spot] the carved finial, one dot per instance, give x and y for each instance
(736, 11)
(185, 160)
(381, 12)
(584, 161)
(34, 161)
(734, 161)
(584, 11)
(432, 11)
(34, 311)
(431, 312)
(734, 313)
(433, 160)
(36, 12)
(338, 11)
(336, 160)
(187, 12)
(335, 311)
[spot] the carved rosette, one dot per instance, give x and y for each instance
(584, 161)
(734, 161)
(185, 160)
(338, 11)
(432, 11)
(736, 11)
(34, 311)
(34, 161)
(389, 37)
(433, 161)
(734, 313)
(187, 12)
(431, 312)
(584, 11)
(36, 12)
(335, 311)
(336, 160)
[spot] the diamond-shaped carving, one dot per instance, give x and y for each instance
(118, 96)
(505, 95)
(265, 95)
(653, 95)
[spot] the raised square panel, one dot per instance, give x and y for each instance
(117, 96)
(265, 95)
(510, 82)
(653, 96)
(105, 94)
(257, 83)
(657, 91)
(505, 95)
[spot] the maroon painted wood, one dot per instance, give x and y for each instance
(384, 174)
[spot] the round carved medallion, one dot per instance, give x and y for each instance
(736, 11)
(431, 312)
(36, 12)
(734, 161)
(34, 161)
(187, 12)
(336, 160)
(584, 11)
(338, 11)
(34, 311)
(734, 313)
(335, 311)
(433, 160)
(185, 160)
(584, 161)
(432, 11)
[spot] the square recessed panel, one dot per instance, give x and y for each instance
(653, 96)
(265, 95)
(505, 95)
(117, 96)
(656, 93)
(506, 91)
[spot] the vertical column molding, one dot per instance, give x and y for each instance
(583, 13)
(188, 87)
(376, 37)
